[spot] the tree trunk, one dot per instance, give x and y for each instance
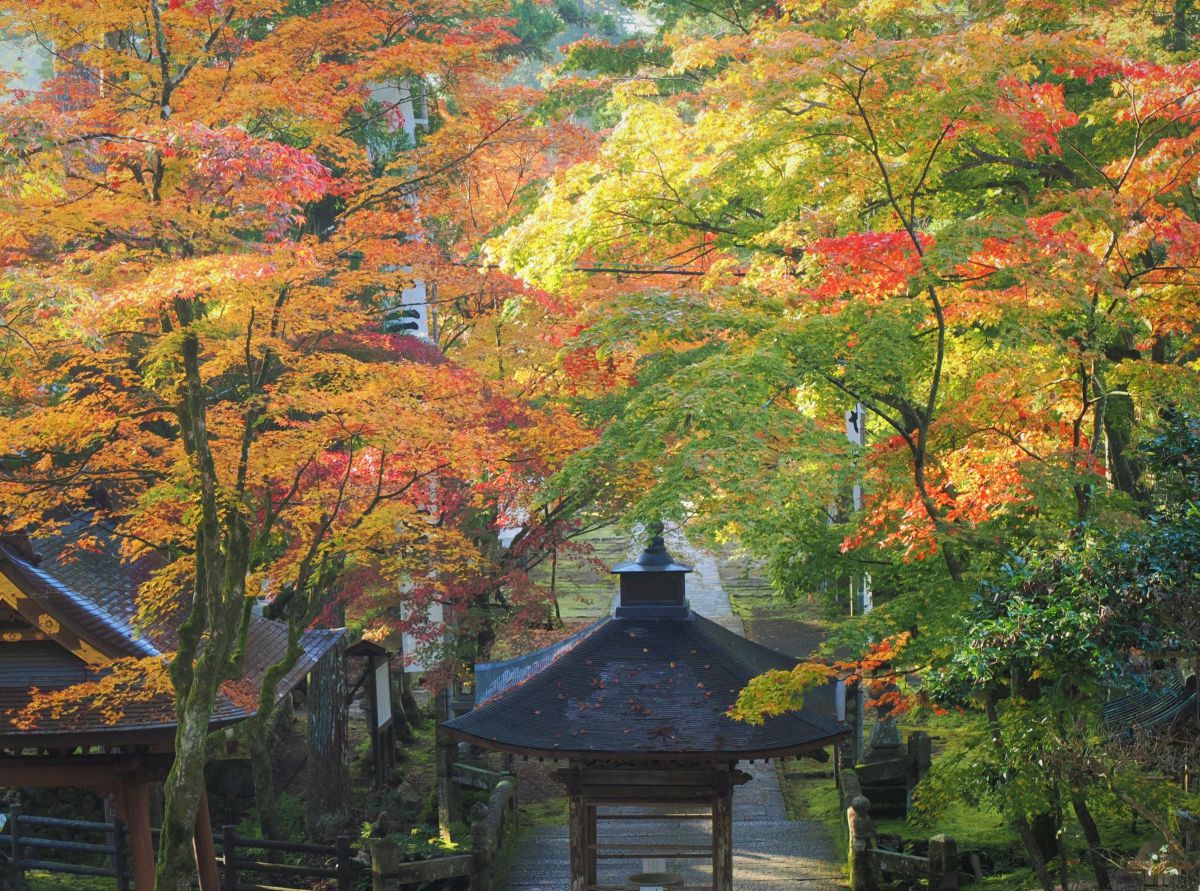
(402, 723)
(1091, 834)
(262, 769)
(411, 708)
(412, 711)
(208, 634)
(1021, 825)
(558, 622)
(1060, 840)
(1119, 424)
(328, 776)
(176, 859)
(1179, 25)
(1021, 821)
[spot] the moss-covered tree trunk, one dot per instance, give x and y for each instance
(1019, 822)
(208, 636)
(402, 722)
(412, 710)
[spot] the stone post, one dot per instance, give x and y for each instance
(851, 748)
(481, 849)
(385, 860)
(920, 752)
(864, 873)
(943, 863)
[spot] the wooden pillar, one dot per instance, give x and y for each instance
(590, 858)
(202, 843)
(134, 803)
(16, 871)
(582, 860)
(722, 834)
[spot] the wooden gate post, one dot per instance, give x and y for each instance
(580, 855)
(229, 849)
(133, 804)
(345, 862)
(17, 872)
(202, 845)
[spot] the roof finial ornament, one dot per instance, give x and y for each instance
(656, 552)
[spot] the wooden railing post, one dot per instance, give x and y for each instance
(229, 849)
(385, 860)
(481, 849)
(345, 863)
(14, 827)
(119, 861)
(864, 872)
(943, 863)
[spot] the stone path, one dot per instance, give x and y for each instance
(771, 853)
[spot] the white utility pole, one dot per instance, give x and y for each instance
(861, 601)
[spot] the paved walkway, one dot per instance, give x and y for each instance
(771, 853)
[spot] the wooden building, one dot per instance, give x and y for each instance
(636, 705)
(62, 623)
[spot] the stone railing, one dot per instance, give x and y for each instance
(868, 863)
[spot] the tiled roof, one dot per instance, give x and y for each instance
(643, 687)
(95, 593)
(152, 719)
(1165, 698)
(98, 616)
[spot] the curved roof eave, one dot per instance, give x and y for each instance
(722, 756)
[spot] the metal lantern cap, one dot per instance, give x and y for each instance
(655, 558)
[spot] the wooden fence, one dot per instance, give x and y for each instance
(492, 823)
(239, 862)
(30, 850)
(255, 864)
(246, 864)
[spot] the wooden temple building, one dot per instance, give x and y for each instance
(62, 623)
(636, 705)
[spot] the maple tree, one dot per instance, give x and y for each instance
(205, 214)
(977, 221)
